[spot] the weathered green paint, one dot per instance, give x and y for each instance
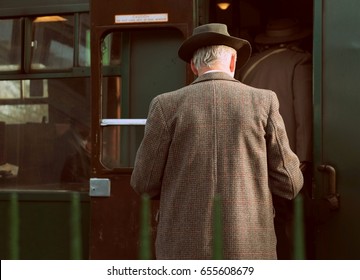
(14, 227)
(336, 122)
(75, 227)
(299, 237)
(317, 91)
(145, 229)
(44, 222)
(217, 230)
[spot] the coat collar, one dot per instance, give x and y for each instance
(214, 76)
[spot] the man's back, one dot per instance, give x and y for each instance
(216, 136)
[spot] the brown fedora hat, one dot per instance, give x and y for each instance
(282, 31)
(214, 34)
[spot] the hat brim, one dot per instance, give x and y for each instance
(269, 40)
(195, 42)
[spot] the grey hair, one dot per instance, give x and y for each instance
(209, 55)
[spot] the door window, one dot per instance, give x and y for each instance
(137, 66)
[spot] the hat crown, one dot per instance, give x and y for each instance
(212, 34)
(282, 31)
(211, 27)
(282, 27)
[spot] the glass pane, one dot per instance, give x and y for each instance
(52, 42)
(35, 88)
(155, 68)
(15, 114)
(46, 145)
(10, 90)
(112, 99)
(111, 49)
(17, 89)
(69, 111)
(84, 55)
(120, 144)
(10, 44)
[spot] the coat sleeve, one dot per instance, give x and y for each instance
(285, 177)
(152, 154)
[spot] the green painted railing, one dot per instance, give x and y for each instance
(299, 228)
(14, 226)
(74, 225)
(145, 229)
(217, 233)
(145, 251)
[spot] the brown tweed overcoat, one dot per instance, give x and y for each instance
(216, 136)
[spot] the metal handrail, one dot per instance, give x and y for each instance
(110, 122)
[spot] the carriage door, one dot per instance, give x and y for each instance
(336, 123)
(134, 58)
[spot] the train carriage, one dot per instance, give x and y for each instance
(76, 80)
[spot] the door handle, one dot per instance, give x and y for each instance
(332, 196)
(108, 122)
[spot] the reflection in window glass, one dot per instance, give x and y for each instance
(112, 101)
(23, 89)
(35, 88)
(129, 95)
(20, 89)
(119, 143)
(69, 100)
(10, 89)
(10, 44)
(15, 114)
(47, 136)
(45, 123)
(115, 155)
(53, 42)
(111, 49)
(84, 48)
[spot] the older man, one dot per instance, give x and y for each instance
(216, 136)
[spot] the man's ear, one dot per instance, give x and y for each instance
(193, 68)
(233, 63)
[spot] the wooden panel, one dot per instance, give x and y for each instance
(38, 7)
(115, 221)
(103, 12)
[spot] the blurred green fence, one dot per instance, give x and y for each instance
(15, 224)
(145, 248)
